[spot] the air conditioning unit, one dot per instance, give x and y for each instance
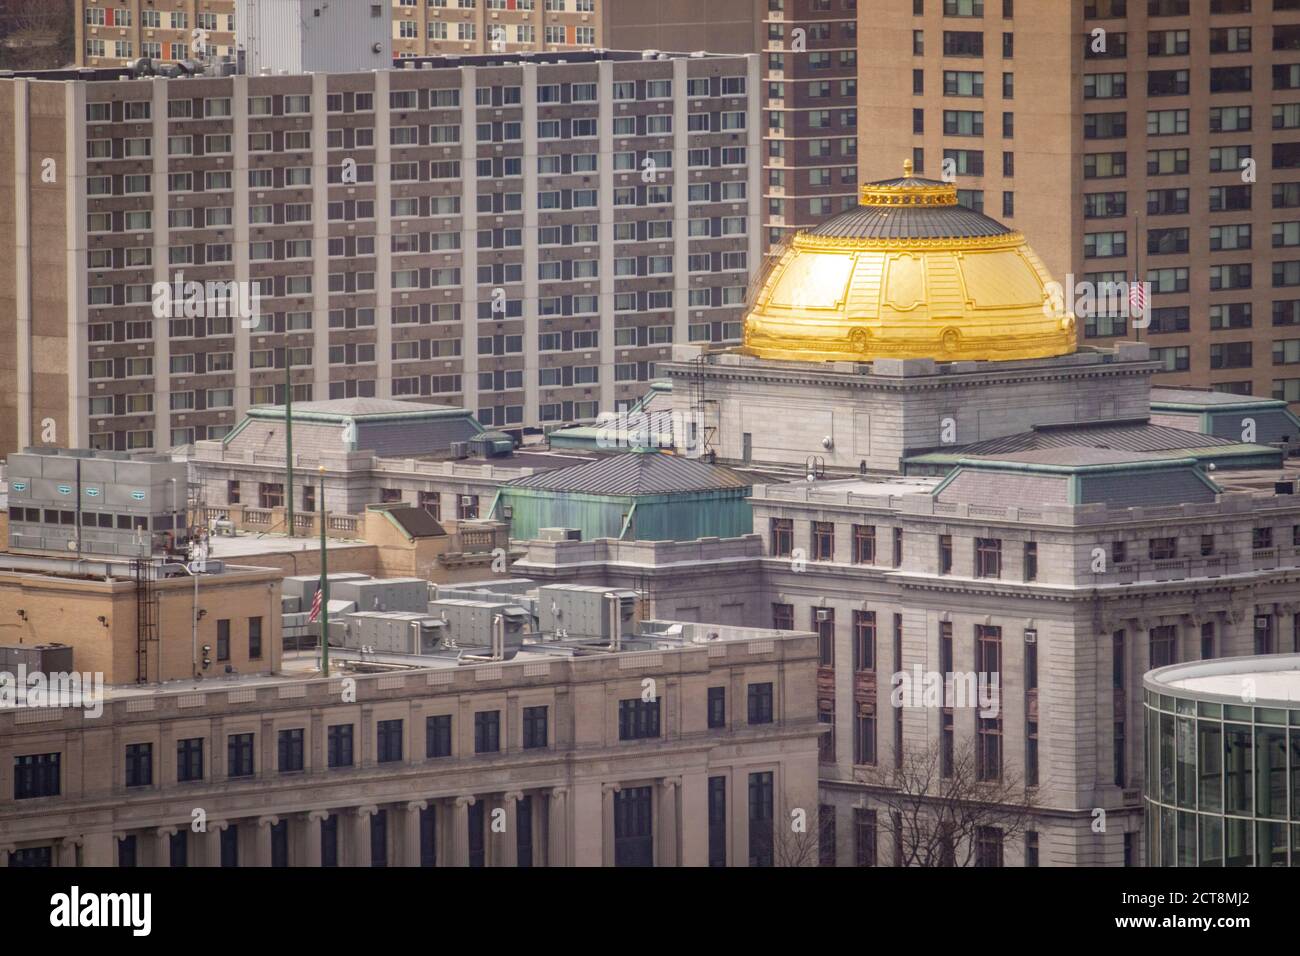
(823, 615)
(1031, 637)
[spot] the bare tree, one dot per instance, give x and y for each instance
(36, 34)
(955, 818)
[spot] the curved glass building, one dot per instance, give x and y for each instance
(1223, 762)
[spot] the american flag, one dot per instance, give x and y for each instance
(1137, 298)
(315, 606)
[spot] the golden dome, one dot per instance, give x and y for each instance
(907, 273)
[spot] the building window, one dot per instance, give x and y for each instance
(988, 846)
(1031, 848)
(178, 848)
(291, 750)
(864, 744)
(988, 558)
(783, 617)
(823, 541)
(823, 622)
(864, 544)
(487, 732)
(329, 841)
(1163, 645)
(239, 755)
(437, 736)
(760, 703)
(761, 815)
(988, 662)
(535, 728)
(223, 639)
(634, 827)
(864, 640)
(189, 759)
(717, 821)
(1031, 561)
(254, 638)
(898, 547)
(638, 719)
(864, 836)
(139, 765)
(389, 741)
(717, 707)
(826, 835)
(232, 492)
(339, 742)
(782, 534)
(945, 554)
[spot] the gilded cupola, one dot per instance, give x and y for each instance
(907, 273)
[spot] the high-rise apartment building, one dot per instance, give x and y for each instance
(116, 32)
(525, 238)
(1156, 138)
(810, 159)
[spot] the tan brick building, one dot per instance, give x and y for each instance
(93, 606)
(1114, 134)
(546, 759)
(117, 32)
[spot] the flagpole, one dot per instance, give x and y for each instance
(1137, 268)
(324, 587)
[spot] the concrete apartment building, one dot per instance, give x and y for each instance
(529, 256)
(555, 757)
(1119, 151)
(810, 156)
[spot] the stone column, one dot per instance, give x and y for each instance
(557, 837)
(666, 825)
(212, 842)
(68, 851)
(460, 831)
(162, 847)
(313, 819)
(361, 835)
(607, 823)
(262, 856)
(509, 855)
(411, 833)
(693, 818)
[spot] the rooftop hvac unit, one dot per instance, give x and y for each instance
(460, 449)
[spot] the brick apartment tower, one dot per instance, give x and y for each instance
(1120, 159)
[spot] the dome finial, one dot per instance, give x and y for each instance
(907, 169)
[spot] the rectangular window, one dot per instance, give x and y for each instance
(760, 703)
(535, 728)
(437, 736)
(339, 745)
(717, 707)
(638, 719)
(717, 821)
(189, 759)
(239, 755)
(761, 819)
(290, 746)
(139, 765)
(864, 544)
(487, 732)
(389, 741)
